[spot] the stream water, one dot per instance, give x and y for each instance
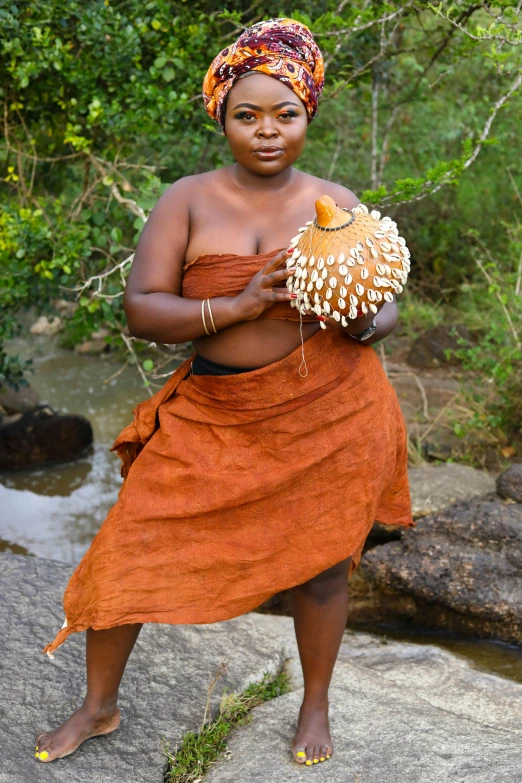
(56, 511)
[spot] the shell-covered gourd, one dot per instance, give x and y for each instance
(348, 262)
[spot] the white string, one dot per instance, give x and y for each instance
(303, 360)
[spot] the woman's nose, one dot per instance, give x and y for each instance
(267, 129)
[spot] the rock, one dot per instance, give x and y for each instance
(100, 334)
(428, 350)
(42, 436)
(65, 308)
(433, 487)
(46, 325)
(12, 401)
(509, 483)
(462, 567)
(91, 347)
(163, 693)
(400, 713)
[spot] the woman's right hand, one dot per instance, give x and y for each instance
(261, 293)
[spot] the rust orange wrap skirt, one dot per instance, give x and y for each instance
(240, 486)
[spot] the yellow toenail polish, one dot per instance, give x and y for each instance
(43, 755)
(300, 753)
(327, 755)
(37, 755)
(308, 763)
(322, 758)
(315, 761)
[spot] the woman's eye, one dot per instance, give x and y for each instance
(245, 115)
(287, 115)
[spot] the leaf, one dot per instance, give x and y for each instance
(116, 235)
(168, 74)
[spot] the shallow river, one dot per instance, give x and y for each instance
(55, 512)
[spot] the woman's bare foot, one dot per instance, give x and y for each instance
(312, 742)
(83, 724)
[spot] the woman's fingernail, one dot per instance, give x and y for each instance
(289, 250)
(300, 753)
(321, 318)
(293, 296)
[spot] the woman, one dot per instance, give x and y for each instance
(250, 471)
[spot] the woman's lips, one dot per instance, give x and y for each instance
(269, 153)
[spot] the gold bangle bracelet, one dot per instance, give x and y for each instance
(203, 316)
(211, 318)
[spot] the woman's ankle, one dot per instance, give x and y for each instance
(313, 701)
(100, 706)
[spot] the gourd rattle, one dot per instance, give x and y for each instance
(348, 262)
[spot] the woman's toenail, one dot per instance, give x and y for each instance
(322, 758)
(44, 755)
(315, 761)
(327, 755)
(300, 753)
(37, 755)
(308, 763)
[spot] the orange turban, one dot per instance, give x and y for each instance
(282, 48)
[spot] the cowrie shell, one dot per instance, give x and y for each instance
(303, 228)
(375, 214)
(302, 261)
(326, 307)
(324, 274)
(378, 296)
(293, 303)
(329, 293)
(297, 273)
(320, 263)
(341, 304)
(311, 261)
(333, 282)
(364, 273)
(353, 313)
(317, 298)
(351, 262)
(380, 235)
(371, 295)
(353, 300)
(307, 297)
(401, 241)
(374, 252)
(388, 296)
(369, 241)
(360, 260)
(353, 252)
(364, 307)
(385, 247)
(319, 284)
(399, 289)
(348, 279)
(318, 309)
(344, 322)
(373, 308)
(380, 269)
(310, 286)
(385, 283)
(322, 324)
(336, 315)
(296, 254)
(314, 275)
(359, 289)
(377, 282)
(364, 208)
(359, 246)
(343, 270)
(342, 291)
(330, 260)
(341, 258)
(304, 274)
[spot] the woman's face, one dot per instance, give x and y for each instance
(265, 124)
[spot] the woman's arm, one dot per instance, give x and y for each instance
(154, 307)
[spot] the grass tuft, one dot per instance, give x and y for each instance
(199, 749)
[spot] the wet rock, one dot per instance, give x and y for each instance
(163, 693)
(47, 325)
(42, 436)
(461, 567)
(90, 347)
(12, 401)
(400, 713)
(429, 349)
(509, 483)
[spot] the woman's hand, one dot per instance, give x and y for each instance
(261, 293)
(385, 319)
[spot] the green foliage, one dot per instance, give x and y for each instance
(198, 750)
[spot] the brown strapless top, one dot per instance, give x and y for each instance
(228, 274)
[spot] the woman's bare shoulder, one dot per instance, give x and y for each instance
(191, 186)
(323, 187)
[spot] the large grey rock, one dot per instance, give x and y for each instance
(434, 487)
(462, 567)
(509, 483)
(163, 694)
(400, 713)
(429, 350)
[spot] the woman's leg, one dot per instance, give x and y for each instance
(107, 654)
(320, 614)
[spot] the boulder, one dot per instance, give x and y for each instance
(42, 436)
(16, 401)
(47, 325)
(163, 694)
(429, 350)
(91, 347)
(400, 713)
(461, 568)
(509, 483)
(434, 487)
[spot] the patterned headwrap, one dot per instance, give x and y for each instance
(282, 48)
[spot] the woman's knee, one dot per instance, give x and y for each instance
(328, 583)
